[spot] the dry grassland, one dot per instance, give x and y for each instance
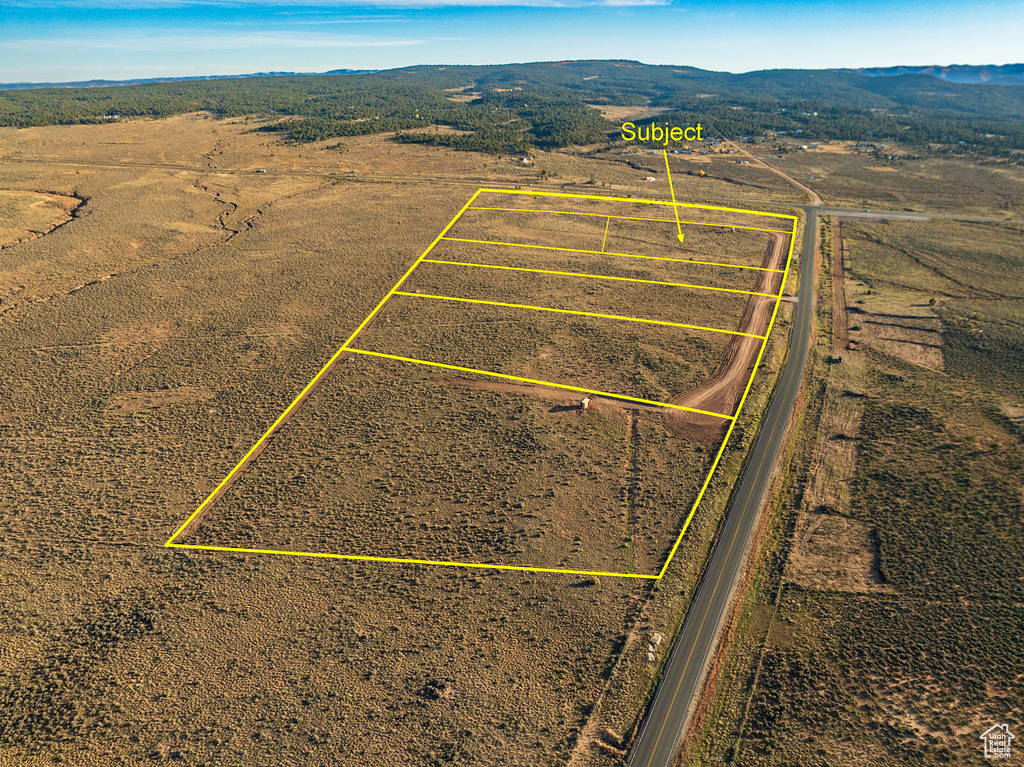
(723, 245)
(892, 623)
(834, 553)
(677, 302)
(659, 209)
(630, 359)
(152, 339)
(493, 473)
(616, 113)
(903, 279)
(610, 264)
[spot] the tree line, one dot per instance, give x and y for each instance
(518, 107)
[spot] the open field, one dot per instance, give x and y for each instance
(27, 215)
(394, 460)
(623, 358)
(692, 272)
(151, 341)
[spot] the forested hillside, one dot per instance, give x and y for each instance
(514, 107)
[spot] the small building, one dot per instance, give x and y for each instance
(585, 403)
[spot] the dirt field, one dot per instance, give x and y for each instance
(151, 341)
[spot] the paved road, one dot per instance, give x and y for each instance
(655, 744)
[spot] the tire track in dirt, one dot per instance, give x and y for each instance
(842, 320)
(725, 388)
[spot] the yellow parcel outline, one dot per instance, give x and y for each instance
(296, 403)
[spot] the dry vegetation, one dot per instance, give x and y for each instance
(632, 359)
(151, 340)
(388, 459)
(490, 474)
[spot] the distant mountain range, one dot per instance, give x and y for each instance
(143, 81)
(1005, 74)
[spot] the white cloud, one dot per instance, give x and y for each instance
(636, 2)
(188, 42)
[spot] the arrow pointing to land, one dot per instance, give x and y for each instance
(675, 207)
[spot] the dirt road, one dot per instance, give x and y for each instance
(722, 393)
(838, 277)
(815, 198)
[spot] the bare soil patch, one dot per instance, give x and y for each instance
(27, 215)
(839, 292)
(836, 554)
(133, 402)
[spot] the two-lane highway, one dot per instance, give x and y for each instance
(655, 744)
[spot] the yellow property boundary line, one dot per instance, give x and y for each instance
(535, 382)
(608, 253)
(634, 200)
(380, 305)
(629, 218)
(594, 276)
(672, 189)
(599, 276)
(573, 311)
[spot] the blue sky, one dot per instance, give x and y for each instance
(62, 40)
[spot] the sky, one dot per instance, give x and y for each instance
(71, 40)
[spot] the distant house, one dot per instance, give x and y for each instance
(585, 403)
